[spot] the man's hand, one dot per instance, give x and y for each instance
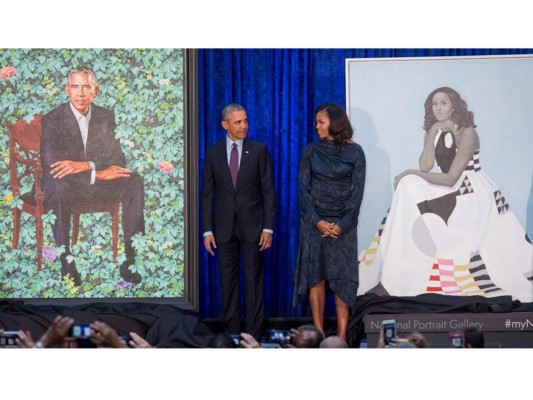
(265, 241)
(60, 169)
(113, 172)
(209, 244)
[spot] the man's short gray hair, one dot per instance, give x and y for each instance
(231, 108)
(83, 70)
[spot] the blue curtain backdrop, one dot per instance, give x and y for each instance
(280, 88)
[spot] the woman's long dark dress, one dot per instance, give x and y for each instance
(330, 187)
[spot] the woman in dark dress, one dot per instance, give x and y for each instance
(330, 189)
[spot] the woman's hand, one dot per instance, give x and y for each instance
(404, 173)
(445, 126)
(329, 229)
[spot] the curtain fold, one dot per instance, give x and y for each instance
(280, 89)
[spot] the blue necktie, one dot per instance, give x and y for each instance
(234, 164)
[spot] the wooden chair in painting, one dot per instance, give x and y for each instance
(25, 163)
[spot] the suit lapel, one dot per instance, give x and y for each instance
(245, 161)
(94, 129)
(222, 158)
(72, 128)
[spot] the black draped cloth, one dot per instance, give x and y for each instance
(160, 325)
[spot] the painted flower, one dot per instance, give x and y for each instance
(49, 254)
(6, 72)
(166, 166)
(122, 284)
(8, 198)
(128, 143)
(164, 82)
(166, 245)
(47, 91)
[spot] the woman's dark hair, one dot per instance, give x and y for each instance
(461, 116)
(339, 124)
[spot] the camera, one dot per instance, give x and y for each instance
(82, 336)
(236, 339)
(278, 336)
(389, 330)
(80, 331)
(457, 340)
(7, 338)
(126, 339)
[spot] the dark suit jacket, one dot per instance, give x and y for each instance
(251, 205)
(61, 140)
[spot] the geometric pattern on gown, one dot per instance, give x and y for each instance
(443, 206)
(465, 188)
(445, 277)
(368, 254)
(501, 203)
(474, 164)
(461, 280)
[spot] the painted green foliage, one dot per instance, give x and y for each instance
(144, 88)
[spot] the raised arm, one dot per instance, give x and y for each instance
(427, 158)
(466, 146)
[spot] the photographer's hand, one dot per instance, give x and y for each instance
(24, 340)
(248, 341)
(138, 342)
(297, 340)
(104, 336)
(381, 340)
(56, 332)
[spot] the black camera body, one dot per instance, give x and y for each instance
(389, 330)
(82, 336)
(7, 338)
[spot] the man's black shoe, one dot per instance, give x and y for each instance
(127, 275)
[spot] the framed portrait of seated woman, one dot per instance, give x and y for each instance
(448, 203)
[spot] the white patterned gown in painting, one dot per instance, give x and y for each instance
(459, 241)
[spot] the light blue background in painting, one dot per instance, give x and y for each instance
(385, 101)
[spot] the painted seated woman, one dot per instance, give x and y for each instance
(450, 232)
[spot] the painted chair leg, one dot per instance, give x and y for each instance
(39, 226)
(75, 228)
(114, 230)
(16, 227)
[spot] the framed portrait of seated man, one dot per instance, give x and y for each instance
(98, 175)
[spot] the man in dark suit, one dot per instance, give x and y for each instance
(238, 210)
(83, 162)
